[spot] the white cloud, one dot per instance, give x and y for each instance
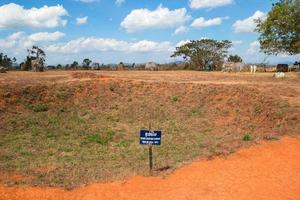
(45, 36)
(92, 44)
(119, 2)
(81, 20)
(16, 16)
(182, 42)
(201, 22)
(254, 47)
(161, 17)
(19, 41)
(198, 4)
(180, 30)
(248, 24)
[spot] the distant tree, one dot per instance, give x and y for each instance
(204, 54)
(86, 63)
(133, 65)
(38, 55)
(27, 64)
(235, 58)
(75, 65)
(96, 66)
(59, 66)
(280, 32)
(5, 61)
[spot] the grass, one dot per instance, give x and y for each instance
(40, 108)
(174, 98)
(91, 134)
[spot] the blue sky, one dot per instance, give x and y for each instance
(110, 31)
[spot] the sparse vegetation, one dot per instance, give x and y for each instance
(174, 98)
(90, 133)
(40, 107)
(247, 137)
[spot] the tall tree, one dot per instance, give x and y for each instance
(74, 65)
(235, 58)
(36, 53)
(5, 61)
(280, 32)
(86, 63)
(205, 54)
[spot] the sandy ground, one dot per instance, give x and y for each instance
(270, 170)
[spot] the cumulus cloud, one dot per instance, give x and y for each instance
(119, 2)
(92, 44)
(20, 41)
(161, 17)
(201, 22)
(16, 16)
(180, 30)
(182, 42)
(248, 24)
(81, 20)
(198, 4)
(254, 47)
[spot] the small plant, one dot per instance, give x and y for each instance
(258, 109)
(174, 98)
(246, 137)
(112, 88)
(40, 108)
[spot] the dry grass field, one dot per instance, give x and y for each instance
(68, 128)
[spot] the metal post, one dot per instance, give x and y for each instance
(150, 154)
(150, 158)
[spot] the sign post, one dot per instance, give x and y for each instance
(150, 138)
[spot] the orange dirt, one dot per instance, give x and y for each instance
(270, 170)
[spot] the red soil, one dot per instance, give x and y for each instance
(270, 170)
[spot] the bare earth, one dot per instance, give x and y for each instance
(270, 170)
(257, 170)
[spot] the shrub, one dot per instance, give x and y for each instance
(246, 137)
(40, 108)
(112, 88)
(174, 98)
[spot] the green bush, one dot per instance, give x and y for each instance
(40, 108)
(247, 137)
(174, 98)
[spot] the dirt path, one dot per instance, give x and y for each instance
(267, 171)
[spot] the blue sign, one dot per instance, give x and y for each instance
(150, 137)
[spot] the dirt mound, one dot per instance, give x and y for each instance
(89, 129)
(267, 171)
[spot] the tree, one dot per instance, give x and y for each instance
(5, 61)
(205, 54)
(280, 32)
(74, 65)
(86, 63)
(27, 64)
(235, 58)
(36, 55)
